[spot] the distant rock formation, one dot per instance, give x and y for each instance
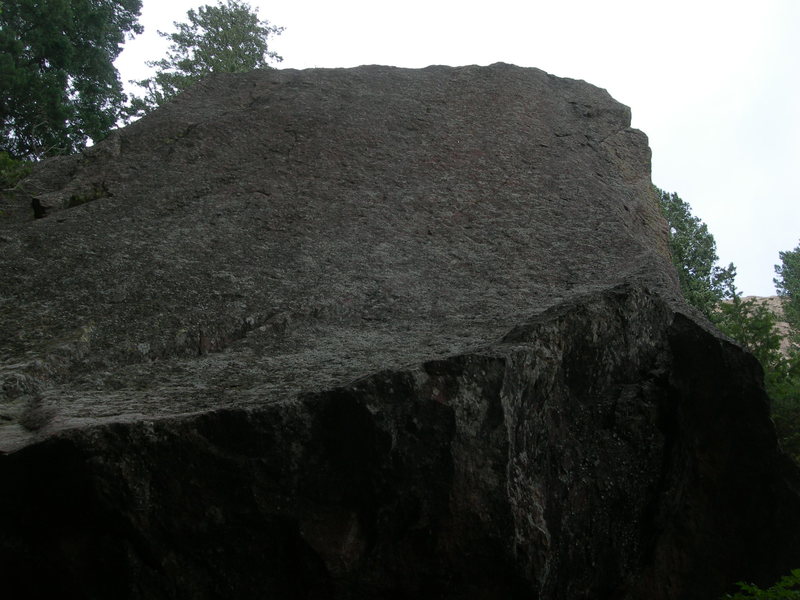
(372, 333)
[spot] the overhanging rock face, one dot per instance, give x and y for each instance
(372, 333)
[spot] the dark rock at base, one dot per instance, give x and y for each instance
(372, 333)
(584, 456)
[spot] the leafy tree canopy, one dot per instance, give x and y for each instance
(694, 254)
(58, 83)
(226, 38)
(788, 285)
(753, 325)
(785, 588)
(11, 170)
(783, 380)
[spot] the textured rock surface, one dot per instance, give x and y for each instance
(316, 226)
(372, 333)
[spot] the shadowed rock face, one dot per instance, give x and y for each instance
(372, 333)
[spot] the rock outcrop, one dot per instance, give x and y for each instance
(372, 333)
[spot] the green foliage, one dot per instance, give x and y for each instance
(754, 326)
(694, 254)
(787, 587)
(751, 324)
(226, 38)
(12, 170)
(782, 380)
(783, 386)
(58, 83)
(788, 285)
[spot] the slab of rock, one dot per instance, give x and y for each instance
(375, 333)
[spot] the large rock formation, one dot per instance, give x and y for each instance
(372, 333)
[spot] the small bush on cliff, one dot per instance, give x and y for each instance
(787, 587)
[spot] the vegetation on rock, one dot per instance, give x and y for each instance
(12, 171)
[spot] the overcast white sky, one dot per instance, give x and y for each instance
(714, 84)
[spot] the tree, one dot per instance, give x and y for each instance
(753, 325)
(786, 588)
(705, 286)
(783, 386)
(783, 382)
(788, 286)
(226, 38)
(694, 254)
(58, 83)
